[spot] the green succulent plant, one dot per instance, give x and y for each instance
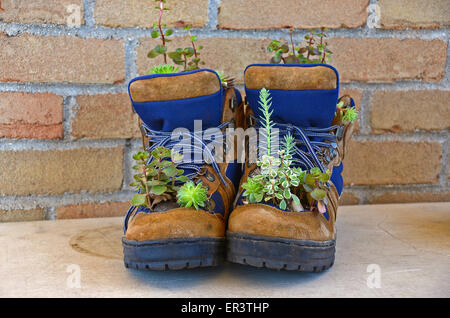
(188, 57)
(224, 79)
(265, 104)
(315, 49)
(163, 69)
(348, 114)
(156, 181)
(191, 194)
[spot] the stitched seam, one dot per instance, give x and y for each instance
(170, 243)
(281, 242)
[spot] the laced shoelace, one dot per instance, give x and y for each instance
(184, 139)
(307, 150)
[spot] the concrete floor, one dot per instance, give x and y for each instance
(408, 243)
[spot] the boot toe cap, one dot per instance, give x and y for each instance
(264, 220)
(175, 223)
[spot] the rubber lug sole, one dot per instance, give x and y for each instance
(280, 253)
(173, 254)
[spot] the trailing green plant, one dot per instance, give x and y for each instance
(313, 50)
(156, 181)
(188, 57)
(348, 114)
(158, 32)
(159, 180)
(163, 69)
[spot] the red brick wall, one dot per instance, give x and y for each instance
(67, 130)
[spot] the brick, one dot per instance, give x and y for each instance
(58, 171)
(61, 59)
(141, 13)
(31, 115)
(348, 198)
(416, 14)
(269, 14)
(230, 55)
(388, 60)
(402, 163)
(21, 215)
(105, 116)
(39, 11)
(406, 111)
(357, 97)
(92, 210)
(409, 197)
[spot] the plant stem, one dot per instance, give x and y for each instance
(324, 47)
(292, 41)
(161, 10)
(159, 171)
(173, 178)
(147, 193)
(309, 44)
(193, 44)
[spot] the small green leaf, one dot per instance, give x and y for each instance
(324, 177)
(318, 194)
(171, 171)
(158, 190)
(182, 179)
(287, 194)
(161, 49)
(295, 198)
(138, 199)
(155, 34)
(283, 205)
(152, 54)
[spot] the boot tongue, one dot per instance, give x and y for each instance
(302, 95)
(165, 102)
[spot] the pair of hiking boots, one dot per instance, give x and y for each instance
(304, 99)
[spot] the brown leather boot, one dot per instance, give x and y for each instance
(304, 99)
(167, 236)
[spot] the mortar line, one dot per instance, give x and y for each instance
(45, 144)
(366, 104)
(70, 107)
(131, 70)
(443, 178)
(213, 14)
(89, 6)
(65, 89)
(418, 136)
(121, 33)
(49, 213)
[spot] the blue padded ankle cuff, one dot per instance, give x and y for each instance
(171, 114)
